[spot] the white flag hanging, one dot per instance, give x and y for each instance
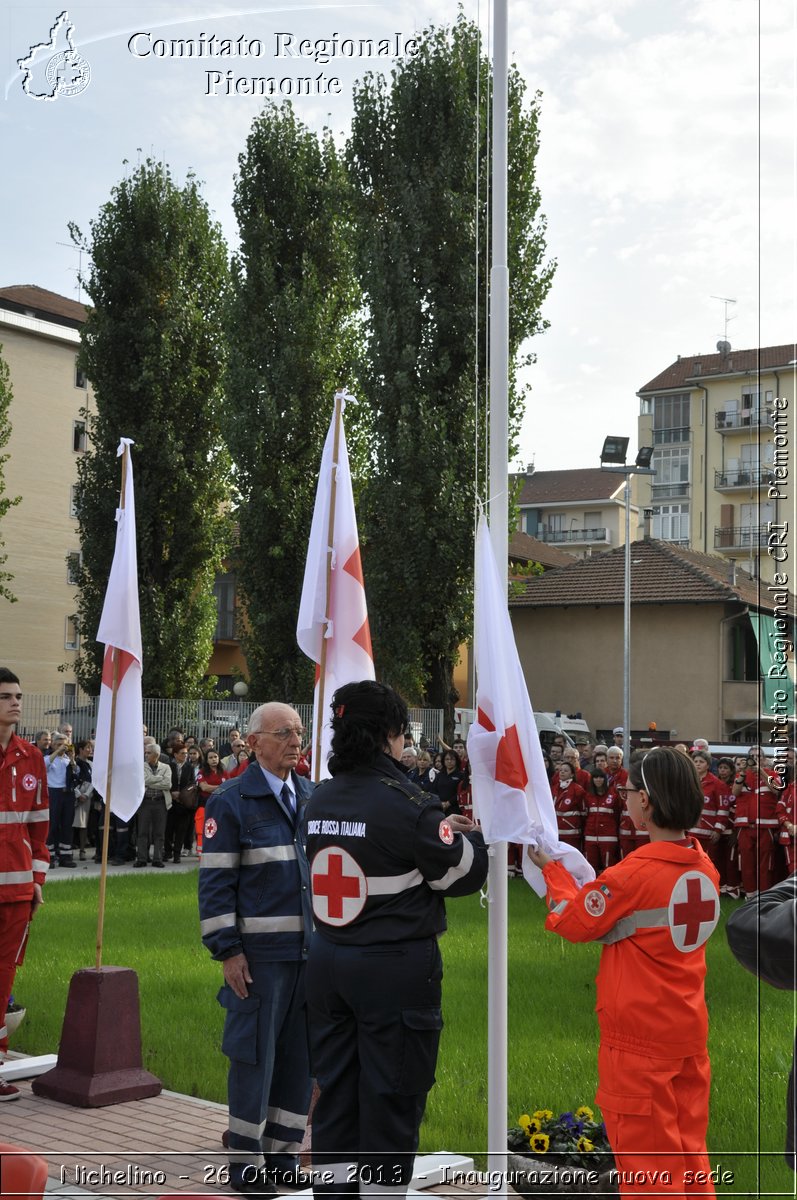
(120, 630)
(333, 607)
(511, 794)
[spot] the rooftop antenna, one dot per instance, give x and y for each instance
(79, 268)
(726, 300)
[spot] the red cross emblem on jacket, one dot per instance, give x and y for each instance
(693, 911)
(340, 888)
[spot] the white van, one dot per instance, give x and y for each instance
(547, 728)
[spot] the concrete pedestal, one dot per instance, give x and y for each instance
(99, 1058)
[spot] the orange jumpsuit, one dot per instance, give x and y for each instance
(654, 912)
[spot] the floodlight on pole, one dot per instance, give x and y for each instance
(613, 456)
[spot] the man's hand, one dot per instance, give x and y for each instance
(236, 974)
(460, 823)
(37, 900)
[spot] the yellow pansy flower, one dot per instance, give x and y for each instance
(584, 1145)
(539, 1142)
(584, 1113)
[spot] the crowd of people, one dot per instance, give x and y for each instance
(179, 775)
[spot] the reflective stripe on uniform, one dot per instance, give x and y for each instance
(643, 918)
(16, 877)
(389, 885)
(246, 1128)
(22, 816)
(454, 873)
(211, 924)
(270, 924)
(291, 1120)
(276, 1146)
(264, 854)
(39, 864)
(218, 861)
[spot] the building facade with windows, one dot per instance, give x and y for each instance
(580, 511)
(40, 339)
(722, 427)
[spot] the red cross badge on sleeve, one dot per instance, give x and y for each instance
(693, 912)
(595, 903)
(340, 888)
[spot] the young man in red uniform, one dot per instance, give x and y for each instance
(24, 857)
(654, 913)
(756, 817)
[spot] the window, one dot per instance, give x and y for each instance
(79, 436)
(70, 695)
(71, 637)
(556, 522)
(73, 501)
(671, 465)
(224, 591)
(645, 406)
(671, 523)
(742, 649)
(80, 378)
(73, 562)
(671, 418)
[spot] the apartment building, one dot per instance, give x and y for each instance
(722, 427)
(579, 511)
(40, 338)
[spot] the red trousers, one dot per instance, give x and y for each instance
(656, 1116)
(14, 923)
(756, 859)
(601, 855)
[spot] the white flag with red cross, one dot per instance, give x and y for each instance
(333, 607)
(120, 630)
(511, 793)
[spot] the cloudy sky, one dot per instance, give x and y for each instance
(667, 164)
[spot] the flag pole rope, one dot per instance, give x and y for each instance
(322, 666)
(106, 831)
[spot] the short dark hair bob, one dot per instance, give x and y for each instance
(671, 783)
(364, 716)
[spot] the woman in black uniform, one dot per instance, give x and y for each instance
(383, 855)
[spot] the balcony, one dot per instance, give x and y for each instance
(561, 537)
(669, 491)
(666, 437)
(740, 537)
(733, 420)
(744, 479)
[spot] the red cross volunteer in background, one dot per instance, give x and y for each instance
(654, 913)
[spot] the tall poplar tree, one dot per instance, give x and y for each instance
(153, 347)
(6, 502)
(292, 338)
(418, 158)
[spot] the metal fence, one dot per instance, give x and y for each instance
(202, 718)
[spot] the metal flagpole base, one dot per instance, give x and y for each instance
(99, 1058)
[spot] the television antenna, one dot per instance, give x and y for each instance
(726, 300)
(79, 269)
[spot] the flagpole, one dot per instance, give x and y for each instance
(106, 831)
(322, 666)
(497, 1024)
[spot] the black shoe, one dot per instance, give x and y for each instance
(67, 864)
(260, 1187)
(118, 862)
(295, 1180)
(176, 861)
(156, 862)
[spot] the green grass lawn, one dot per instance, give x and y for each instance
(151, 925)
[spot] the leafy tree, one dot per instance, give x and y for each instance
(292, 338)
(6, 502)
(412, 157)
(153, 347)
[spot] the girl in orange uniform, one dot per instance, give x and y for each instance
(654, 912)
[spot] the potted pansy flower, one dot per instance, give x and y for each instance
(568, 1154)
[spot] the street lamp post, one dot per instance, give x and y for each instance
(613, 459)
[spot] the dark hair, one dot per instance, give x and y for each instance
(671, 782)
(596, 774)
(81, 745)
(8, 676)
(451, 753)
(364, 716)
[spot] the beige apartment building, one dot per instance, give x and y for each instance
(723, 431)
(581, 511)
(40, 338)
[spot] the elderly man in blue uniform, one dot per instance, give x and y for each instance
(256, 919)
